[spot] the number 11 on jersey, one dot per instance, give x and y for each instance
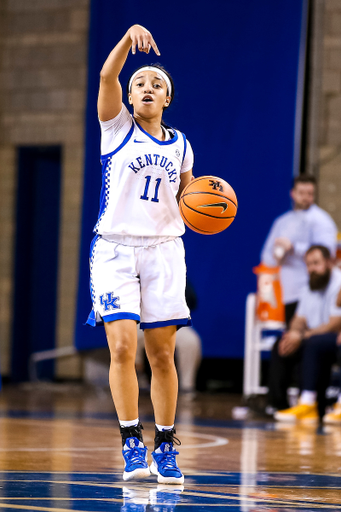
(145, 197)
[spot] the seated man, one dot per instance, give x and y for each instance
(313, 333)
(334, 416)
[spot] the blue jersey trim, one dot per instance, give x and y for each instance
(91, 319)
(123, 143)
(91, 260)
(185, 146)
(183, 322)
(121, 316)
(160, 142)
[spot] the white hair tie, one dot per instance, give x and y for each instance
(158, 71)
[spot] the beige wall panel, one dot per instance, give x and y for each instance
(328, 122)
(7, 208)
(43, 65)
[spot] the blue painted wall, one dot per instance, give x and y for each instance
(234, 65)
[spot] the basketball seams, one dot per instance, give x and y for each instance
(209, 193)
(204, 213)
(201, 221)
(191, 226)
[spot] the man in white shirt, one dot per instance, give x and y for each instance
(293, 233)
(289, 238)
(313, 333)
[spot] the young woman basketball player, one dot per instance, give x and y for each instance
(137, 265)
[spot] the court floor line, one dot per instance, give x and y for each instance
(192, 472)
(215, 441)
(193, 494)
(43, 509)
(279, 503)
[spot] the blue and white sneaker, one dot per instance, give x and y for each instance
(164, 462)
(135, 457)
(164, 465)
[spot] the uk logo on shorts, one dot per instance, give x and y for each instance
(109, 301)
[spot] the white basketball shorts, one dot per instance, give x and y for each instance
(146, 284)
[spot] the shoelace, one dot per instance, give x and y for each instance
(166, 436)
(134, 455)
(134, 431)
(168, 459)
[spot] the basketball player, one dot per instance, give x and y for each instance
(137, 265)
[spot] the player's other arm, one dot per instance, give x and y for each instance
(185, 178)
(110, 91)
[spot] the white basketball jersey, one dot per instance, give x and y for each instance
(140, 181)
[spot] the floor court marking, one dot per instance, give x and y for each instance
(190, 498)
(257, 501)
(215, 441)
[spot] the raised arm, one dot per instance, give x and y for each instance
(110, 91)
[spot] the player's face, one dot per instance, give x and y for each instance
(303, 195)
(149, 94)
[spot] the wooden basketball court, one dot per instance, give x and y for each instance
(60, 450)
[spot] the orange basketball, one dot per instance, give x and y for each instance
(208, 205)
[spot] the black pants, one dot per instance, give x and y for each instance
(319, 353)
(282, 370)
(308, 368)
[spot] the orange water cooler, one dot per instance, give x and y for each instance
(270, 307)
(264, 322)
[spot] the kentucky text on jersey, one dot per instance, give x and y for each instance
(155, 160)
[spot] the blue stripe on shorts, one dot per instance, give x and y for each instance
(110, 318)
(181, 322)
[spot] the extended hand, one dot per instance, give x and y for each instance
(289, 343)
(142, 38)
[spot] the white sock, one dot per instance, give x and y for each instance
(308, 397)
(132, 423)
(164, 427)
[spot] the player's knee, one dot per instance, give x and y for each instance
(121, 351)
(161, 360)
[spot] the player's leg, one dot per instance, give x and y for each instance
(122, 341)
(160, 348)
(162, 273)
(115, 290)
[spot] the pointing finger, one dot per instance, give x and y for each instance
(154, 46)
(140, 43)
(133, 46)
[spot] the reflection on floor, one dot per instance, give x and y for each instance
(60, 450)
